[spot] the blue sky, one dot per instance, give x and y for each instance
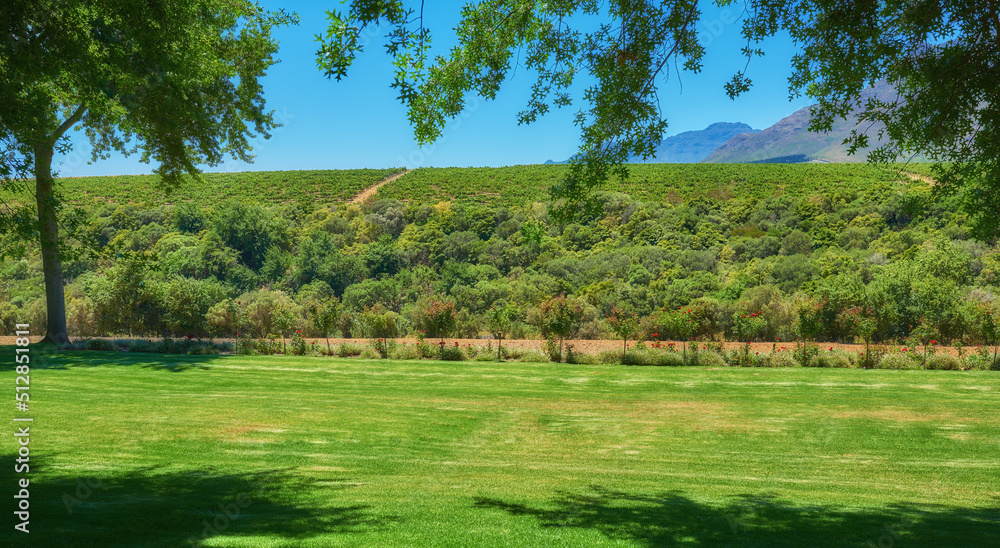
(358, 123)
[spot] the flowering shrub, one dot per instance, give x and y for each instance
(298, 343)
(748, 326)
(384, 347)
(436, 316)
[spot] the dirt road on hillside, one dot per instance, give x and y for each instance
(371, 191)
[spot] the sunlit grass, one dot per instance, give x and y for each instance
(321, 452)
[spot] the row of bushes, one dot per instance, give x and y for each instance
(708, 355)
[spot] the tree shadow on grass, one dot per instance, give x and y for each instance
(673, 519)
(52, 358)
(152, 508)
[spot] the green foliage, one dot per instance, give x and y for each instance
(647, 356)
(500, 321)
(250, 229)
(182, 85)
(298, 343)
(378, 323)
(559, 317)
(898, 360)
(944, 362)
(324, 314)
(708, 358)
(829, 359)
(781, 359)
(436, 316)
(623, 324)
(676, 288)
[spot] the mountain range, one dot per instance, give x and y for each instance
(691, 147)
(787, 141)
(790, 141)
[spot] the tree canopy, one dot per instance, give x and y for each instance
(941, 57)
(176, 81)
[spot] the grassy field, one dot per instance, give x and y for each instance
(153, 450)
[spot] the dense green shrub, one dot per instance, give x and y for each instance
(369, 353)
(830, 359)
(709, 358)
(452, 353)
(944, 362)
(646, 356)
(781, 359)
(298, 344)
(404, 352)
(349, 350)
(572, 356)
(898, 360)
(100, 345)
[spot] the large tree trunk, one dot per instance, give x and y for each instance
(48, 231)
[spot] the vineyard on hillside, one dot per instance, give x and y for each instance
(675, 183)
(274, 187)
(511, 186)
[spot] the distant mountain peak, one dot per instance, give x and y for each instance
(691, 147)
(790, 141)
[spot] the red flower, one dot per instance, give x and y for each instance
(831, 349)
(933, 341)
(656, 334)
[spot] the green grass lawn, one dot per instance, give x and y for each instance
(151, 450)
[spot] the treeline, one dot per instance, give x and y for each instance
(838, 266)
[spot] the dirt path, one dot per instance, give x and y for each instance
(919, 177)
(371, 191)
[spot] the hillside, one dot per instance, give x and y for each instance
(790, 141)
(755, 252)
